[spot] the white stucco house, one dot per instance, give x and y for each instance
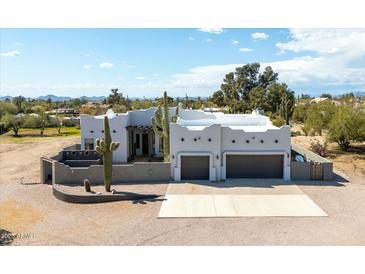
(203, 145)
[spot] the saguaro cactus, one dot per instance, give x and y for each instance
(105, 147)
(286, 108)
(161, 125)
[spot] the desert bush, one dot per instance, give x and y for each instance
(295, 133)
(70, 122)
(314, 121)
(305, 129)
(347, 125)
(52, 122)
(31, 121)
(319, 148)
(299, 114)
(120, 109)
(278, 121)
(7, 107)
(13, 122)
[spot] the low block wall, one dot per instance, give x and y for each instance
(302, 170)
(136, 172)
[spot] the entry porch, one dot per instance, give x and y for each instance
(144, 145)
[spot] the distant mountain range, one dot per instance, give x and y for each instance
(55, 98)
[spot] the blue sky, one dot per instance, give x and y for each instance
(145, 62)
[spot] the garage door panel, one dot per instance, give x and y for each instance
(195, 167)
(254, 166)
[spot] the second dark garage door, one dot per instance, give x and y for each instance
(254, 166)
(194, 167)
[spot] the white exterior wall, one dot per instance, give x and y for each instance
(217, 149)
(222, 145)
(117, 123)
(268, 147)
(201, 147)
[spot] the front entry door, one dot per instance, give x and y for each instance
(145, 144)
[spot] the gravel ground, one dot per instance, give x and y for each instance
(38, 218)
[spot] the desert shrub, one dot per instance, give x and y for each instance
(70, 122)
(347, 125)
(7, 107)
(52, 122)
(314, 121)
(120, 109)
(278, 121)
(305, 128)
(299, 114)
(12, 122)
(319, 148)
(295, 133)
(31, 121)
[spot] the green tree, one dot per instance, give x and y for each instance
(18, 101)
(326, 95)
(13, 122)
(114, 98)
(347, 125)
(299, 114)
(186, 104)
(237, 85)
(218, 98)
(258, 99)
(314, 121)
(44, 118)
(7, 107)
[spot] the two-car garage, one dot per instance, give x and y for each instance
(236, 166)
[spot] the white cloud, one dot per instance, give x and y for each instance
(337, 62)
(337, 59)
(106, 65)
(86, 66)
(17, 44)
(202, 77)
(245, 50)
(208, 40)
(191, 38)
(212, 30)
(13, 53)
(155, 75)
(235, 42)
(326, 41)
(87, 54)
(131, 66)
(260, 36)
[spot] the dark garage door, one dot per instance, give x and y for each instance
(254, 166)
(194, 167)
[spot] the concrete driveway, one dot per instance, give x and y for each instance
(237, 198)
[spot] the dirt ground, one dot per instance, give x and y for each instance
(37, 218)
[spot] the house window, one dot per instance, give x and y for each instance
(89, 143)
